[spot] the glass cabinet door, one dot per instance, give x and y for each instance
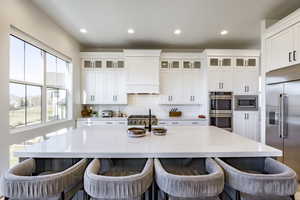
(109, 64)
(226, 62)
(251, 62)
(120, 64)
(98, 64)
(240, 62)
(164, 64)
(187, 64)
(175, 64)
(87, 64)
(214, 62)
(197, 65)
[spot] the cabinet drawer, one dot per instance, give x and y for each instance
(183, 123)
(101, 123)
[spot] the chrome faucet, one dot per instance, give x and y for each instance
(149, 127)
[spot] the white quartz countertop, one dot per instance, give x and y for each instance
(181, 141)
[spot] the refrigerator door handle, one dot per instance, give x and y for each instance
(284, 116)
(280, 130)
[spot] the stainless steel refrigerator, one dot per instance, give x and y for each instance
(283, 114)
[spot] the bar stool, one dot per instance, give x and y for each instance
(126, 179)
(22, 182)
(258, 178)
(189, 178)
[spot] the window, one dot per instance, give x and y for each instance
(57, 76)
(36, 97)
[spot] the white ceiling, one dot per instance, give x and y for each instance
(154, 21)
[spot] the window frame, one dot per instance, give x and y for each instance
(43, 86)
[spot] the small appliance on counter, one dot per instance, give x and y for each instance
(107, 113)
(175, 113)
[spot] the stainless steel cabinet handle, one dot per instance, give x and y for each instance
(294, 55)
(290, 55)
(245, 116)
(108, 122)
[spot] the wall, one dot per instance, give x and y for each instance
(27, 17)
(139, 105)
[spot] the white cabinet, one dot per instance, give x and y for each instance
(181, 87)
(183, 123)
(103, 81)
(296, 52)
(170, 87)
(191, 87)
(234, 71)
(88, 87)
(246, 124)
(283, 48)
(279, 50)
(220, 80)
(245, 82)
(87, 123)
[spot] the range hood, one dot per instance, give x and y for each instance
(142, 71)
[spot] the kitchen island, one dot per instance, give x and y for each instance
(180, 142)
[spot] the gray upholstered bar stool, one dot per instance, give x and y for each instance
(189, 178)
(126, 179)
(258, 178)
(21, 182)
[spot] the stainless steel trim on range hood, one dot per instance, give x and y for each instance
(287, 74)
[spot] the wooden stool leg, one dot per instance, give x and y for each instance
(237, 195)
(293, 197)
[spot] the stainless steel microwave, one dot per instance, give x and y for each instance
(246, 102)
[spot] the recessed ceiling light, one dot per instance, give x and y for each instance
(177, 32)
(131, 31)
(224, 32)
(83, 30)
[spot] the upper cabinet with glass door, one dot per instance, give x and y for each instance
(91, 64)
(114, 64)
(220, 62)
(192, 64)
(170, 64)
(246, 62)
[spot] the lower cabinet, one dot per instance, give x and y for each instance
(246, 124)
(183, 123)
(86, 123)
